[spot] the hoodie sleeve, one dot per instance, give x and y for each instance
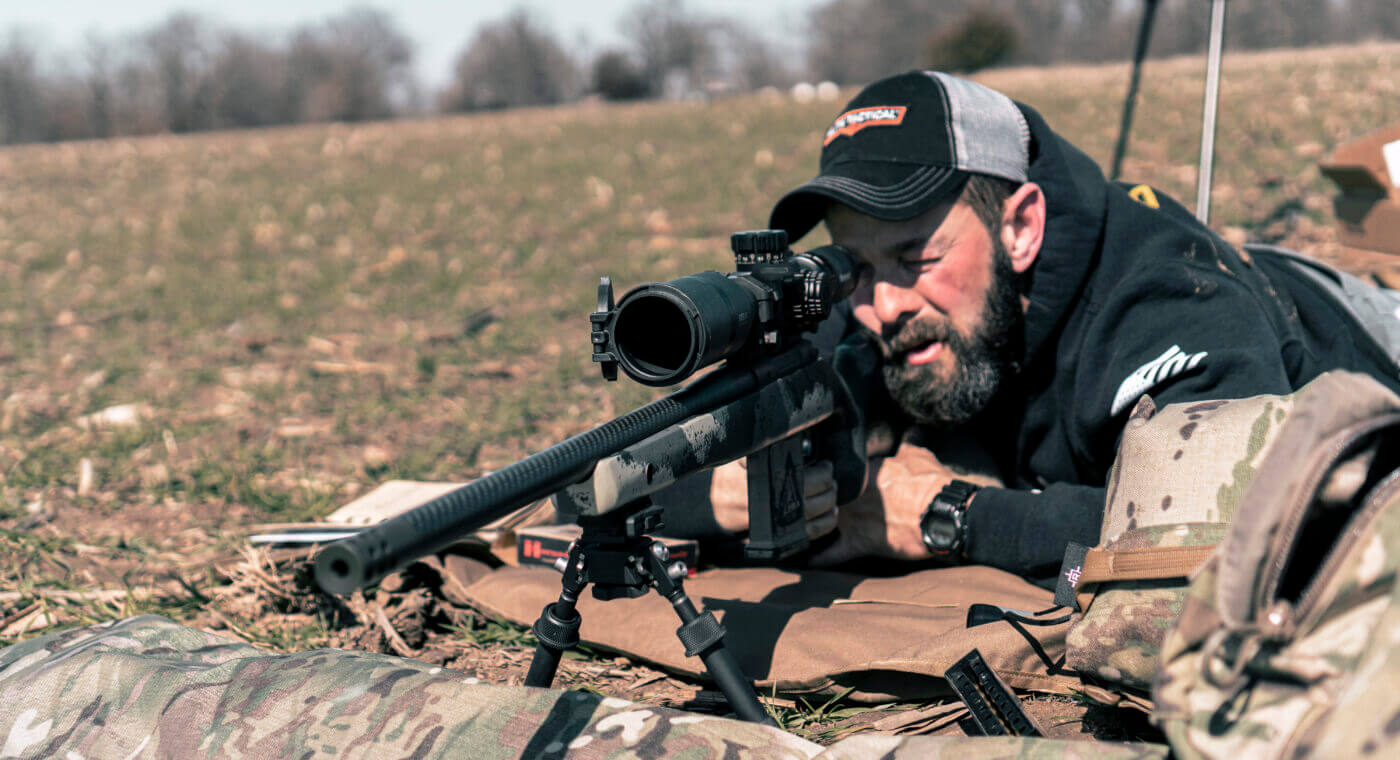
(1025, 532)
(1185, 332)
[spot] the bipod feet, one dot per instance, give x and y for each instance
(703, 636)
(626, 566)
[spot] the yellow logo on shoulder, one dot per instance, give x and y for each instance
(1144, 195)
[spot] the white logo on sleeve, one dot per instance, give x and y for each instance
(1171, 363)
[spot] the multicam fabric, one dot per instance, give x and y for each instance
(986, 748)
(1177, 481)
(1366, 719)
(1289, 641)
(1301, 709)
(146, 687)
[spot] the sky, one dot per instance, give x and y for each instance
(440, 28)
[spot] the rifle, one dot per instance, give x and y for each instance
(775, 401)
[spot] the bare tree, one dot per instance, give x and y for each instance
(1043, 25)
(512, 62)
(1368, 19)
(22, 104)
(748, 60)
(67, 112)
(309, 87)
(251, 77)
(99, 60)
(1256, 24)
(857, 41)
(1183, 26)
(139, 108)
(179, 51)
(1102, 30)
(672, 43)
(371, 60)
(355, 67)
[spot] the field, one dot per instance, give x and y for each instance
(201, 333)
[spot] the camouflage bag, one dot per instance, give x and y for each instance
(146, 687)
(1173, 491)
(1289, 641)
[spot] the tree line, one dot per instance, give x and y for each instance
(188, 74)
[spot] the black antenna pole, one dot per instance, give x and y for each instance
(1144, 37)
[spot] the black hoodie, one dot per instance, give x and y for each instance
(1126, 299)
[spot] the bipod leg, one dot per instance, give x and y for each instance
(558, 624)
(703, 635)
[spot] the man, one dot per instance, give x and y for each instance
(1019, 296)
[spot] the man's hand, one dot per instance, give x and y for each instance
(729, 494)
(884, 520)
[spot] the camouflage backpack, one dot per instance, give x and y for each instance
(1173, 491)
(1289, 641)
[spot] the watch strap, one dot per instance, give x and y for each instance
(959, 492)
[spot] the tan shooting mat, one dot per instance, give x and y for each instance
(820, 632)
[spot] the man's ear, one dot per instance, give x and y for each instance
(1023, 226)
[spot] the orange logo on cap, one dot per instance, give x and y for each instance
(854, 121)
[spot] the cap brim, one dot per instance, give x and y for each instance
(923, 188)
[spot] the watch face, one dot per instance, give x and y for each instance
(943, 527)
(941, 531)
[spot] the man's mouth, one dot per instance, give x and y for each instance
(923, 354)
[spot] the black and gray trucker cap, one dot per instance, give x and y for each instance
(904, 144)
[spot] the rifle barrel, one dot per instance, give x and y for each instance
(366, 557)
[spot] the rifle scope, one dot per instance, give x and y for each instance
(660, 333)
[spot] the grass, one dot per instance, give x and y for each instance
(302, 313)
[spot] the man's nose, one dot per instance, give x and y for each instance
(893, 303)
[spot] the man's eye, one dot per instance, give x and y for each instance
(919, 265)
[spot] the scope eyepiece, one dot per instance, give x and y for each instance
(837, 262)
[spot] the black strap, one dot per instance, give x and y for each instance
(981, 614)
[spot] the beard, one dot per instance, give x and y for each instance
(981, 361)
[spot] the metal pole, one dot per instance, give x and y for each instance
(1217, 39)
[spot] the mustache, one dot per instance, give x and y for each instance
(898, 339)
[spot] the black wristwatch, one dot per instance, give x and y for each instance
(944, 523)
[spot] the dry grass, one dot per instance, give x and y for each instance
(295, 315)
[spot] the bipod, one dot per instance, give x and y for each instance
(622, 562)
